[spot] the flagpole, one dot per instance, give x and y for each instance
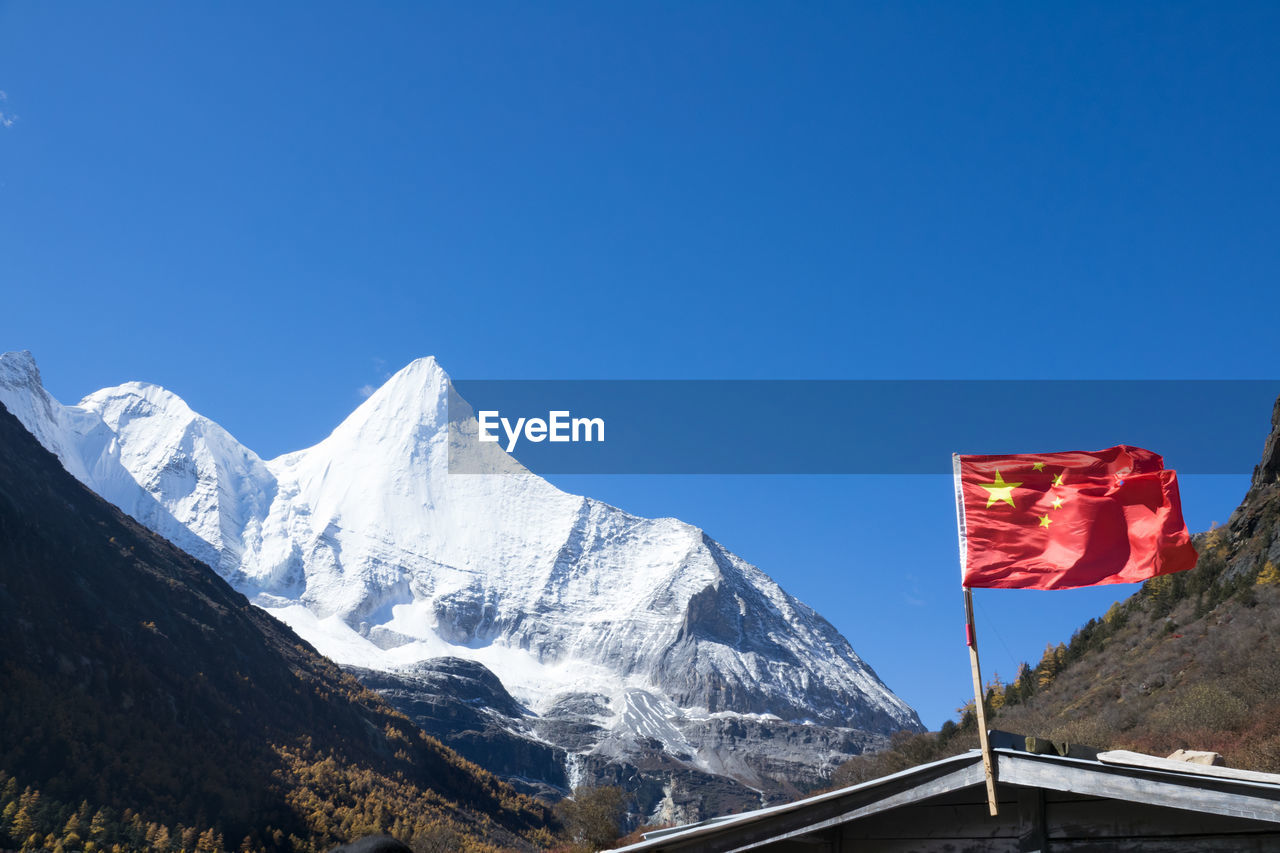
(971, 640)
(988, 760)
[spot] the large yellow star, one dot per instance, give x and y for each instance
(1000, 490)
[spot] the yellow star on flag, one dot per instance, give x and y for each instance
(1058, 502)
(1000, 490)
(1045, 521)
(1037, 466)
(1057, 480)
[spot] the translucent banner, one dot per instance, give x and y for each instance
(844, 427)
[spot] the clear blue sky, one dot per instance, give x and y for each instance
(265, 207)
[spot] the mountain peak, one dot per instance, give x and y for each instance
(377, 554)
(421, 378)
(133, 399)
(18, 368)
(427, 364)
(409, 406)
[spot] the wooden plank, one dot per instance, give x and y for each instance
(1039, 745)
(937, 821)
(1126, 758)
(1033, 822)
(980, 706)
(1212, 796)
(934, 845)
(803, 845)
(1032, 836)
(1185, 844)
(1120, 819)
(971, 797)
(1051, 796)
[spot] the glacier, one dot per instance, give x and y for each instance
(374, 553)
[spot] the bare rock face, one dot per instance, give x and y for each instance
(729, 762)
(1254, 527)
(1267, 471)
(466, 707)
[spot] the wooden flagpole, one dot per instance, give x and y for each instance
(979, 706)
(971, 640)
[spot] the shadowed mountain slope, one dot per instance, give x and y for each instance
(133, 677)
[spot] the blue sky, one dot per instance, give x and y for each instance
(266, 209)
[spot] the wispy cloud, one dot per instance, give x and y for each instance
(6, 118)
(380, 367)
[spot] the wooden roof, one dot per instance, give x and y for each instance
(1046, 802)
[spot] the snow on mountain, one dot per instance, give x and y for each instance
(210, 484)
(371, 550)
(90, 450)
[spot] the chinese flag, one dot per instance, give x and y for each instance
(1066, 520)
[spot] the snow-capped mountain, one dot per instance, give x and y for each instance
(90, 450)
(371, 550)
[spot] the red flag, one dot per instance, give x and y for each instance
(1066, 520)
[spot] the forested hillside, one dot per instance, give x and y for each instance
(146, 705)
